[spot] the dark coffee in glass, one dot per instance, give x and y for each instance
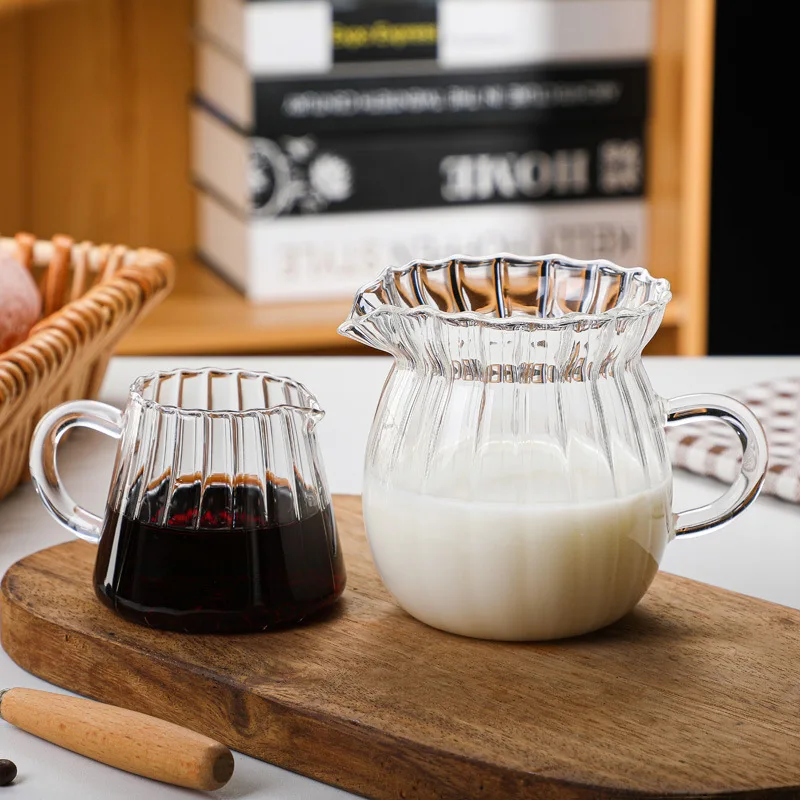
(219, 519)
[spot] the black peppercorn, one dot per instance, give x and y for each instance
(8, 771)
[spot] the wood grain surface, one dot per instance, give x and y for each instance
(15, 5)
(679, 159)
(13, 139)
(95, 136)
(694, 694)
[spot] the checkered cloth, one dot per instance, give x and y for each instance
(714, 449)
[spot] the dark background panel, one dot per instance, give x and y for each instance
(755, 229)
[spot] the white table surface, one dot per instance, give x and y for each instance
(757, 554)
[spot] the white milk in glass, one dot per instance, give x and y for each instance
(522, 548)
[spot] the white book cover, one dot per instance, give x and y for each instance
(296, 37)
(331, 256)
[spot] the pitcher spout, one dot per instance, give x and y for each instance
(362, 325)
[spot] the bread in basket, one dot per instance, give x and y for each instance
(91, 296)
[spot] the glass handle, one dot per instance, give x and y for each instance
(44, 467)
(747, 485)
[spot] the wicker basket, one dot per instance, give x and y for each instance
(91, 298)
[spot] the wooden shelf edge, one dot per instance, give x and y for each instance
(205, 316)
(674, 313)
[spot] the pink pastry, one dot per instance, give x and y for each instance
(20, 302)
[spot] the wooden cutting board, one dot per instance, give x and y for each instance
(696, 693)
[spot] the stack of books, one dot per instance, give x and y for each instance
(332, 138)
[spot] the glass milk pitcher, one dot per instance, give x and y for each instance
(517, 484)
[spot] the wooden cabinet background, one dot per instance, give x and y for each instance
(94, 142)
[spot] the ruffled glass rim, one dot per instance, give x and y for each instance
(364, 309)
(308, 402)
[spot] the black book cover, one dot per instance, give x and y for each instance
(384, 31)
(311, 175)
(554, 94)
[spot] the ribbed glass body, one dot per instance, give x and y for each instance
(219, 516)
(218, 429)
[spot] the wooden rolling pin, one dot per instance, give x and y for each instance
(124, 739)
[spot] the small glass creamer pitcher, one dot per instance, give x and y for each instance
(517, 483)
(218, 517)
